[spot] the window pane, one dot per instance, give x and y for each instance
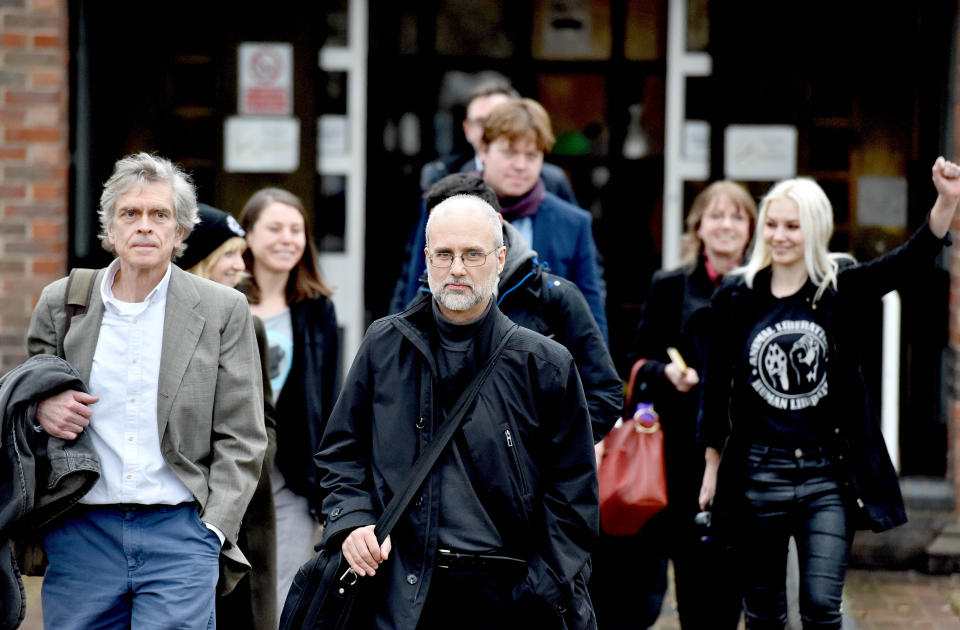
(338, 23)
(330, 215)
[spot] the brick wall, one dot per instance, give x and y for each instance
(34, 146)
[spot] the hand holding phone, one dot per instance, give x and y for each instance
(677, 358)
(683, 377)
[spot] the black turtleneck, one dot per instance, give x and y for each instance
(455, 355)
(464, 523)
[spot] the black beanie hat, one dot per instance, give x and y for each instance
(214, 229)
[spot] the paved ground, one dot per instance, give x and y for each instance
(887, 600)
(882, 600)
(876, 600)
(34, 620)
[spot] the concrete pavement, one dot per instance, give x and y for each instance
(888, 600)
(881, 600)
(873, 600)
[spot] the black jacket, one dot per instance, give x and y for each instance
(675, 314)
(308, 394)
(555, 308)
(42, 476)
(540, 488)
(853, 439)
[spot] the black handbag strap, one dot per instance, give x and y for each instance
(421, 468)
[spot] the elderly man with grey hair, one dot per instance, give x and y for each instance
(500, 532)
(174, 412)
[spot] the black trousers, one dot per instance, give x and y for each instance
(630, 577)
(792, 493)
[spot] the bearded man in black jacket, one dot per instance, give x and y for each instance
(502, 529)
(533, 297)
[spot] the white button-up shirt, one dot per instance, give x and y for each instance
(125, 375)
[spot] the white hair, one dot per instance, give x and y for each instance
(457, 202)
(144, 168)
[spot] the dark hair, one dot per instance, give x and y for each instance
(304, 281)
(460, 184)
(489, 87)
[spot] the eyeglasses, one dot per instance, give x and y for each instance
(470, 259)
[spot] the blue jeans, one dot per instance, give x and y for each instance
(150, 569)
(791, 493)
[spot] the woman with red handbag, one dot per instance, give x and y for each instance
(630, 572)
(785, 401)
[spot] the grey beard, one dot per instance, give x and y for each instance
(464, 302)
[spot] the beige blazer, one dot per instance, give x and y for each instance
(210, 398)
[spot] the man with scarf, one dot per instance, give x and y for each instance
(516, 136)
(483, 98)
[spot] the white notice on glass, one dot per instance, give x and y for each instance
(760, 152)
(333, 135)
(261, 145)
(882, 201)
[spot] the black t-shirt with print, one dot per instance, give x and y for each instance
(785, 362)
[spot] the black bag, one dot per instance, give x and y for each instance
(323, 593)
(325, 590)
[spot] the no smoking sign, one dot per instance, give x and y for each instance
(266, 78)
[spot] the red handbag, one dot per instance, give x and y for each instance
(632, 472)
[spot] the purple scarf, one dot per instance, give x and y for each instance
(513, 208)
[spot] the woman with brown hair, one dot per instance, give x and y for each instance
(287, 292)
(718, 229)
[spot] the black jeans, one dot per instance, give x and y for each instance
(792, 493)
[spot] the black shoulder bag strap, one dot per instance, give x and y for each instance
(421, 468)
